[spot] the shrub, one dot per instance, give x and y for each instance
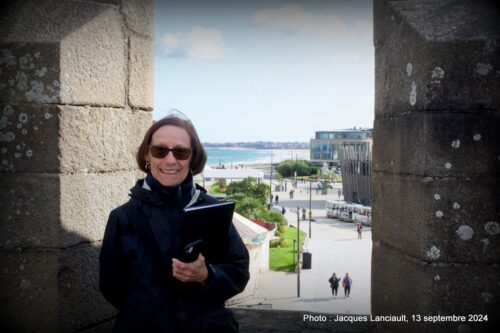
(280, 230)
(278, 242)
(272, 216)
(251, 208)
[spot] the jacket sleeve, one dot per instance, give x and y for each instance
(229, 278)
(111, 277)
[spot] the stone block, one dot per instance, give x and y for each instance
(80, 43)
(381, 16)
(100, 139)
(436, 55)
(279, 321)
(53, 210)
(86, 201)
(45, 138)
(141, 73)
(438, 144)
(29, 293)
(436, 289)
(29, 72)
(29, 138)
(94, 61)
(139, 16)
(30, 211)
(438, 220)
(81, 303)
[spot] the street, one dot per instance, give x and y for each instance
(335, 248)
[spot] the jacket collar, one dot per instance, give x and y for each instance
(150, 190)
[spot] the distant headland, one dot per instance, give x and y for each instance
(259, 145)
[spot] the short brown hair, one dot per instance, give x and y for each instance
(198, 157)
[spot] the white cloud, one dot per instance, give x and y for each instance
(170, 43)
(206, 44)
(346, 56)
(199, 43)
(295, 19)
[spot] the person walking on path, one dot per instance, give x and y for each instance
(334, 284)
(360, 230)
(346, 284)
(276, 199)
(303, 214)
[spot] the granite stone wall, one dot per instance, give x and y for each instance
(436, 162)
(76, 94)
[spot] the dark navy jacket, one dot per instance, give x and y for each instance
(147, 303)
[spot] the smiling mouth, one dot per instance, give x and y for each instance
(169, 172)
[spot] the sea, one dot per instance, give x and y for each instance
(236, 156)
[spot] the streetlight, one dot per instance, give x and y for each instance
(295, 171)
(270, 183)
(298, 252)
(310, 211)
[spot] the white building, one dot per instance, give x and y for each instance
(256, 239)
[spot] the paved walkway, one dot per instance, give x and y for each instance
(335, 248)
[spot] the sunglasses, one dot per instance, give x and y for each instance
(180, 153)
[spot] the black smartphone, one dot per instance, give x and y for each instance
(192, 250)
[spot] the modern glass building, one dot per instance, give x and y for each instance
(351, 150)
(326, 145)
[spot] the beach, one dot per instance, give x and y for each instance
(252, 158)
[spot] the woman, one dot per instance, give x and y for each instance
(346, 284)
(334, 284)
(140, 273)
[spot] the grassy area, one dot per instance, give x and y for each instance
(282, 259)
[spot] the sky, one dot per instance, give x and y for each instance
(268, 70)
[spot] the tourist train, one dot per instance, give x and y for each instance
(348, 211)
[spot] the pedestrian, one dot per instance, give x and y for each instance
(283, 210)
(360, 230)
(291, 194)
(346, 284)
(339, 193)
(276, 199)
(334, 284)
(271, 199)
(141, 273)
(303, 214)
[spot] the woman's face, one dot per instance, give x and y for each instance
(170, 171)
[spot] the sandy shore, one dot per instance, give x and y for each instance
(278, 157)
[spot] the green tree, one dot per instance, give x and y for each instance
(250, 188)
(303, 168)
(251, 208)
(250, 197)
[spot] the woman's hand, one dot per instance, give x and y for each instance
(195, 271)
